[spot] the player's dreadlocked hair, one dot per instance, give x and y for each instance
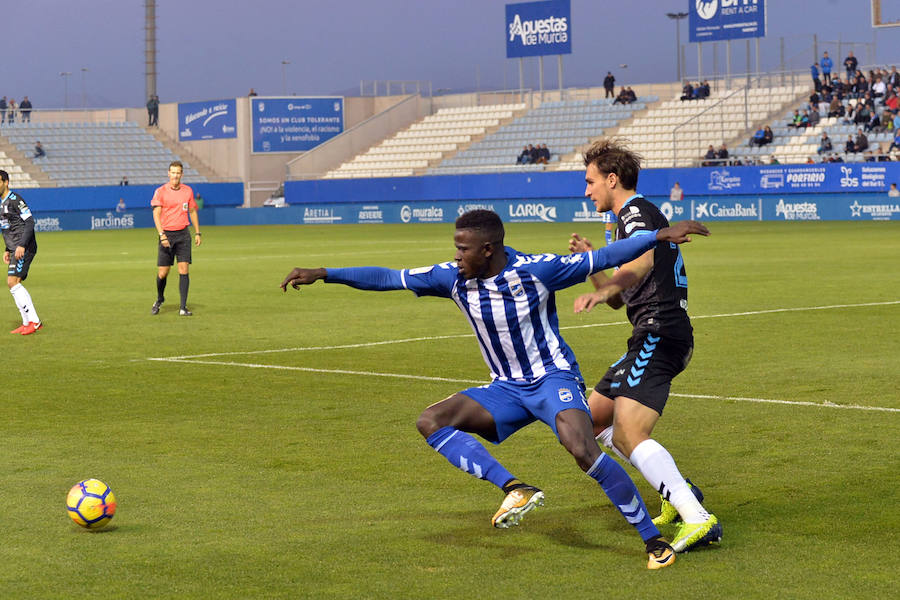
(611, 156)
(486, 221)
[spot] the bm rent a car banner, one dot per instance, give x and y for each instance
(713, 20)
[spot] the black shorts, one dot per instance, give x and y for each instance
(646, 371)
(19, 268)
(179, 246)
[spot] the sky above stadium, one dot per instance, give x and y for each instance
(212, 49)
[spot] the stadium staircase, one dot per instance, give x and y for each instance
(427, 142)
(691, 126)
(186, 156)
(23, 173)
(562, 126)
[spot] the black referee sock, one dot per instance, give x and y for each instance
(184, 282)
(160, 289)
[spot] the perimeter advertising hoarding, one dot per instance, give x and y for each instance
(538, 28)
(714, 20)
(209, 120)
(295, 124)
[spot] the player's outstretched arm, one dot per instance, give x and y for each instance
(299, 277)
(681, 231)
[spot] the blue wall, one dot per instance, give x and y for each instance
(766, 180)
(43, 200)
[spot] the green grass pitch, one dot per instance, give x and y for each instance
(277, 459)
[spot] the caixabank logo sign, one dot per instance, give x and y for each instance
(538, 28)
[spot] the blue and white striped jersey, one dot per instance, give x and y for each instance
(514, 314)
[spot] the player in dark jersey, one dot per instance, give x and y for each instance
(17, 225)
(628, 401)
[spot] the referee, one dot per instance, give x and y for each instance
(172, 204)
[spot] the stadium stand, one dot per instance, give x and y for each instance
(17, 177)
(562, 126)
(677, 132)
(426, 141)
(89, 154)
(792, 145)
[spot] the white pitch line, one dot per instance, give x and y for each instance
(466, 335)
(479, 382)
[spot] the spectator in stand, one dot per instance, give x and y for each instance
(609, 84)
(891, 102)
(814, 98)
(813, 117)
(3, 107)
(11, 111)
(804, 120)
(120, 207)
(525, 157)
(124, 180)
(39, 150)
(835, 109)
(687, 92)
(862, 85)
(850, 145)
(794, 121)
(622, 98)
(868, 156)
(814, 72)
(895, 145)
(152, 111)
(873, 122)
(710, 157)
(893, 78)
(861, 142)
(862, 114)
(850, 64)
(535, 153)
(896, 120)
(758, 138)
(824, 144)
(879, 88)
(676, 194)
(769, 135)
(632, 97)
(722, 155)
(252, 93)
(881, 155)
(25, 109)
(893, 192)
(544, 154)
(702, 90)
(826, 63)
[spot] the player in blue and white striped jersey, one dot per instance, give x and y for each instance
(508, 299)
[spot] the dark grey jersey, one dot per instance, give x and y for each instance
(658, 303)
(17, 223)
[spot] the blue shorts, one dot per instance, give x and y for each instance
(514, 405)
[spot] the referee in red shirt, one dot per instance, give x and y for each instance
(172, 203)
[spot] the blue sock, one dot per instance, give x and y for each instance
(621, 490)
(464, 452)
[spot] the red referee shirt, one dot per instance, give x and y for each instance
(176, 205)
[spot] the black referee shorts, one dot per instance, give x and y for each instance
(646, 371)
(179, 248)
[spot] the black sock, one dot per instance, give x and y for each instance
(160, 289)
(184, 282)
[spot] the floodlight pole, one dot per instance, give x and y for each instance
(677, 17)
(284, 64)
(65, 75)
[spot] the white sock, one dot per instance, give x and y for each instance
(605, 438)
(23, 301)
(658, 468)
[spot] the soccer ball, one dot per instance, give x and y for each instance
(91, 503)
